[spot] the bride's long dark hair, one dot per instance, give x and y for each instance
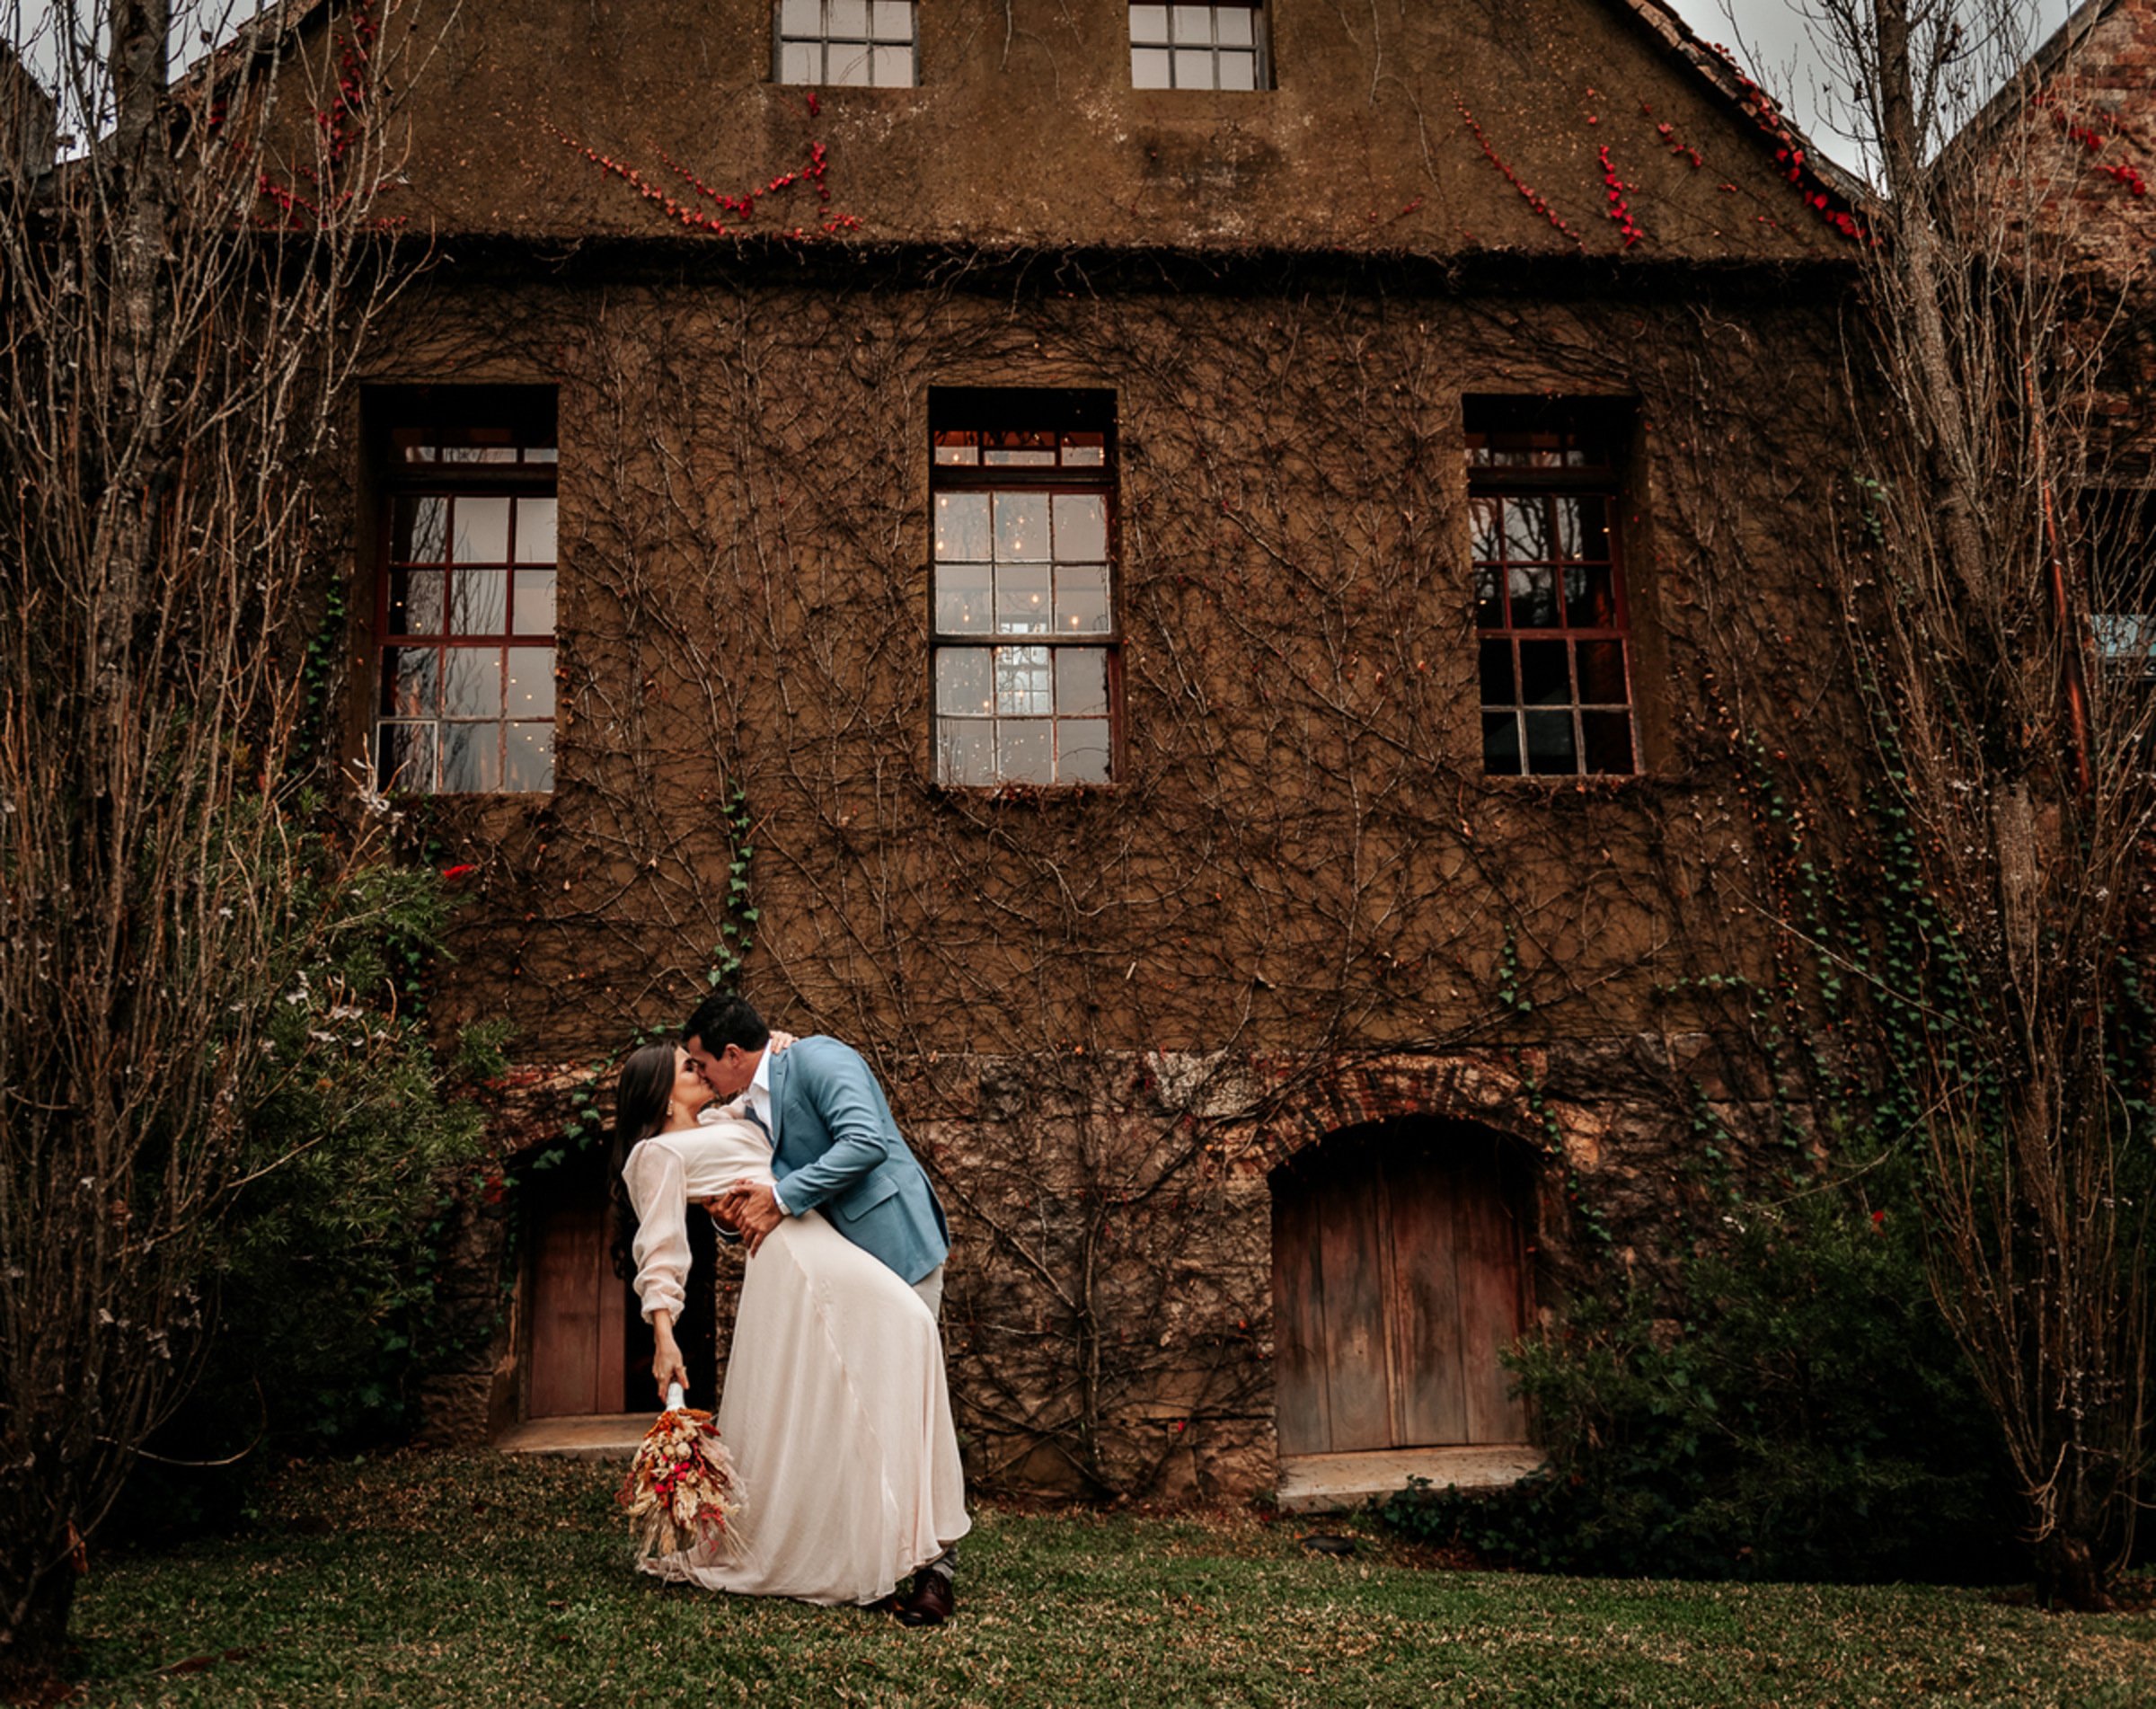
(639, 1111)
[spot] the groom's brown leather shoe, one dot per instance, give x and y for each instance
(930, 1602)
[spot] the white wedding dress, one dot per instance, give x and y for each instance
(834, 1410)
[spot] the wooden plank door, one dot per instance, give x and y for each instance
(1398, 1277)
(577, 1302)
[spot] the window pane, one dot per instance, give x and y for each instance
(1084, 451)
(1489, 604)
(1080, 528)
(1602, 673)
(1032, 448)
(1239, 71)
(891, 68)
(1149, 23)
(1081, 756)
(1022, 686)
(1501, 743)
(962, 526)
(1026, 751)
(1192, 24)
(531, 758)
(1486, 528)
(1081, 683)
(1609, 740)
(420, 533)
(1234, 25)
(1149, 69)
(1021, 598)
(1549, 742)
(801, 17)
(479, 602)
(404, 757)
(966, 753)
(892, 19)
(471, 682)
(482, 531)
(1082, 599)
(800, 62)
(1545, 673)
(541, 453)
(415, 602)
(1533, 599)
(962, 687)
(1590, 597)
(957, 447)
(963, 598)
(1193, 66)
(1022, 527)
(848, 19)
(530, 688)
(1527, 531)
(2121, 637)
(535, 596)
(534, 531)
(410, 682)
(410, 445)
(849, 64)
(1582, 527)
(471, 758)
(1498, 689)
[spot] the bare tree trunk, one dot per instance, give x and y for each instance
(2014, 783)
(174, 345)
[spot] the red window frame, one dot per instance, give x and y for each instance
(1019, 700)
(465, 599)
(1553, 629)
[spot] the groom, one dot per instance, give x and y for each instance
(834, 1148)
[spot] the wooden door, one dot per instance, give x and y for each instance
(589, 1347)
(577, 1327)
(1399, 1275)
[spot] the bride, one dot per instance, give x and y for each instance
(835, 1408)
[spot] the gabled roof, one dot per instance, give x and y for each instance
(1714, 64)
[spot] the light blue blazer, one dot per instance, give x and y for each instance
(836, 1149)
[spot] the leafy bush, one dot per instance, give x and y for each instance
(1802, 1414)
(323, 1316)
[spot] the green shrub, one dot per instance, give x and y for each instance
(323, 1316)
(1798, 1411)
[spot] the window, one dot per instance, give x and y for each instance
(1197, 47)
(2119, 524)
(2122, 579)
(1024, 652)
(1550, 607)
(465, 614)
(846, 42)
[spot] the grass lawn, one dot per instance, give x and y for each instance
(470, 1580)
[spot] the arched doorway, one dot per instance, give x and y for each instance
(588, 1349)
(1399, 1273)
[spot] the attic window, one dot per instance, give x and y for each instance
(1198, 46)
(841, 43)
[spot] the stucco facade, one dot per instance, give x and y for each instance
(1292, 892)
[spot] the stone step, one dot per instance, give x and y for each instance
(601, 1436)
(1328, 1482)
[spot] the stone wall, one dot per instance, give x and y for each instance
(1108, 1315)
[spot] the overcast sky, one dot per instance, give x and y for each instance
(1770, 38)
(1773, 39)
